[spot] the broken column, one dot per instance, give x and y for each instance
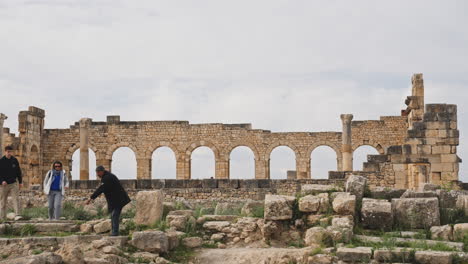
(3, 117)
(346, 148)
(85, 123)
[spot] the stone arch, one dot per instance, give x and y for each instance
(311, 148)
(153, 147)
(280, 143)
(74, 147)
(370, 143)
(202, 143)
(236, 144)
(333, 146)
(113, 148)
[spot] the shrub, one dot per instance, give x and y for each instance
(28, 230)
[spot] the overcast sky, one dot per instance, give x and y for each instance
(280, 65)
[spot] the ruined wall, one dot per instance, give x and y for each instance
(183, 138)
(412, 136)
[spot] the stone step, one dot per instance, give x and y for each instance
(455, 245)
(53, 241)
(49, 227)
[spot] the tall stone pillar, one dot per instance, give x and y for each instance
(2, 119)
(222, 169)
(144, 168)
(303, 168)
(262, 169)
(183, 169)
(346, 148)
(85, 123)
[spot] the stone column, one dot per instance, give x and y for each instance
(85, 123)
(3, 117)
(346, 148)
(183, 169)
(222, 169)
(144, 168)
(302, 167)
(262, 169)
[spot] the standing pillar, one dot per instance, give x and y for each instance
(144, 168)
(2, 119)
(183, 169)
(85, 123)
(222, 169)
(262, 169)
(346, 148)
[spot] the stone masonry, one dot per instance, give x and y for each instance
(416, 147)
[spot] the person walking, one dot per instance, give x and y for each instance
(115, 194)
(55, 184)
(11, 181)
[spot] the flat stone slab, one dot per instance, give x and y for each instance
(49, 227)
(307, 189)
(355, 255)
(456, 245)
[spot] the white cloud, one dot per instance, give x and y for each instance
(283, 66)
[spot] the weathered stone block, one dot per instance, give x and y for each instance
(431, 257)
(149, 207)
(416, 212)
(356, 185)
(376, 214)
(151, 241)
(344, 203)
(442, 233)
(354, 255)
(278, 207)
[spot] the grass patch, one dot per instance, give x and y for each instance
(28, 230)
(258, 211)
(35, 212)
(209, 245)
(180, 254)
(316, 251)
(36, 251)
(130, 213)
(296, 244)
(161, 225)
(75, 213)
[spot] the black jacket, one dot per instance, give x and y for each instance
(10, 170)
(115, 194)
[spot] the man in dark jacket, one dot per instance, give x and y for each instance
(115, 195)
(11, 181)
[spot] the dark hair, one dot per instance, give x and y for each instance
(8, 148)
(57, 162)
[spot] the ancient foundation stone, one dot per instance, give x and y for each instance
(149, 207)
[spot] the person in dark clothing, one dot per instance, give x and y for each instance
(11, 181)
(115, 195)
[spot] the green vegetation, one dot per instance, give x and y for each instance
(316, 251)
(36, 251)
(209, 245)
(452, 216)
(28, 230)
(35, 212)
(180, 254)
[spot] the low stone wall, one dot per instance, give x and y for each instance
(208, 189)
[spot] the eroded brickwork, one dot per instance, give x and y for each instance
(418, 146)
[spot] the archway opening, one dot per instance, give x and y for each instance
(360, 156)
(163, 164)
(242, 163)
(282, 160)
(124, 164)
(75, 168)
(202, 164)
(323, 159)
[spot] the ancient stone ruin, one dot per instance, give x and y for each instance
(419, 146)
(406, 206)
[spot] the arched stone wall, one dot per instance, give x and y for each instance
(183, 138)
